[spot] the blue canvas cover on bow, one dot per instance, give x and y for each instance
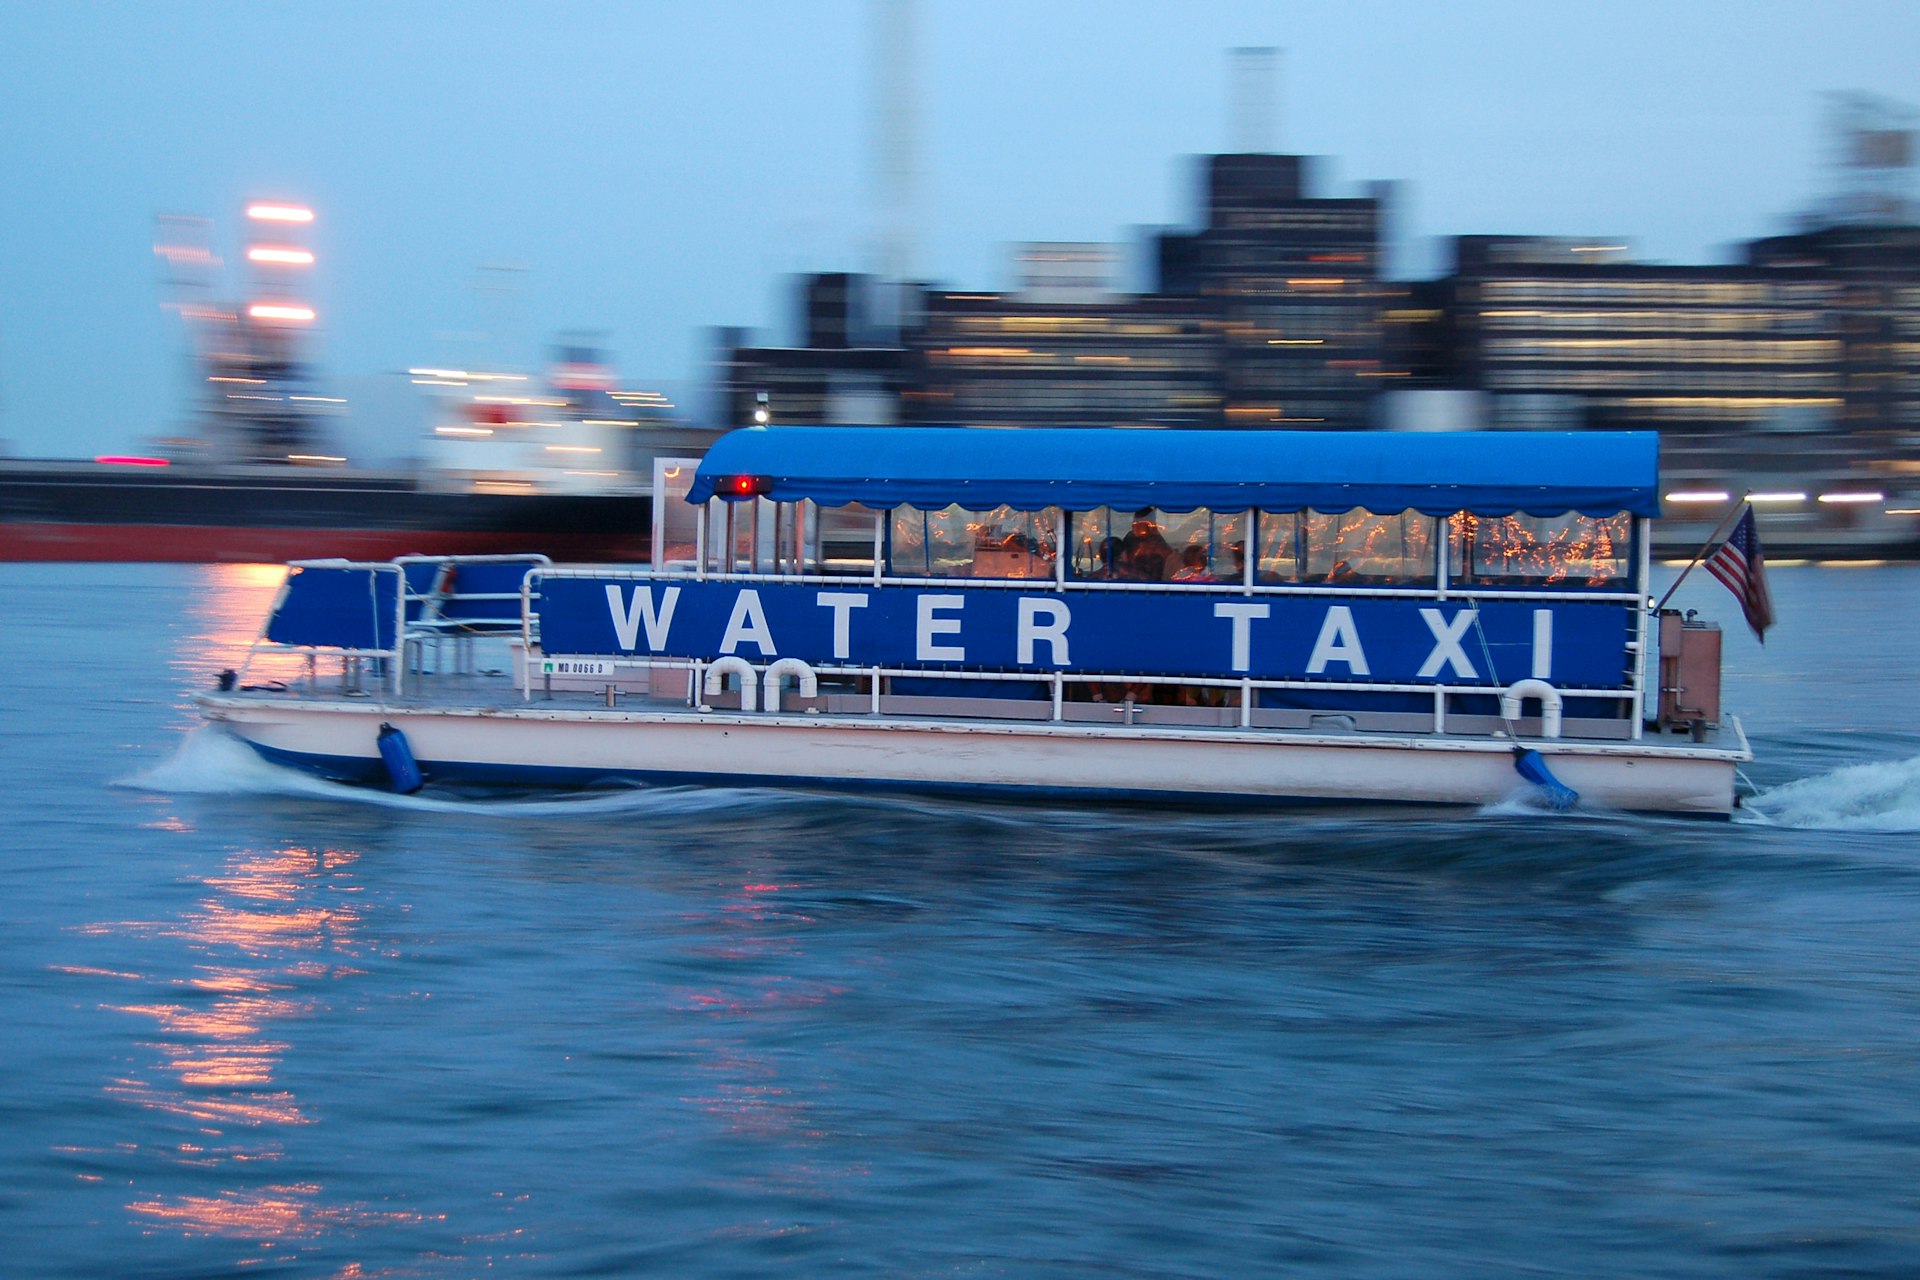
(354, 607)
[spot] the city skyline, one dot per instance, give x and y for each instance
(650, 173)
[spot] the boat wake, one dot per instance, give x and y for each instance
(1884, 796)
(1531, 803)
(210, 762)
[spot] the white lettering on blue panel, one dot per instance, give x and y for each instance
(1575, 644)
(1446, 644)
(1053, 630)
(840, 602)
(1339, 641)
(1242, 614)
(629, 617)
(747, 624)
(929, 624)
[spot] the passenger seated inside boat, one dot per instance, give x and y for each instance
(1111, 563)
(1140, 694)
(1239, 550)
(1193, 565)
(1147, 548)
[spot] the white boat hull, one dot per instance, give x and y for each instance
(534, 745)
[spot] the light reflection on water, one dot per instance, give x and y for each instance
(266, 947)
(226, 609)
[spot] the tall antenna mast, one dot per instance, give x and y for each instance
(896, 107)
(1254, 107)
(1871, 143)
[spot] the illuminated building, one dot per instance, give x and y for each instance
(1793, 372)
(1573, 333)
(1268, 316)
(1065, 350)
(1294, 280)
(840, 373)
(1875, 274)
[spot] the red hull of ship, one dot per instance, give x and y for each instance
(202, 544)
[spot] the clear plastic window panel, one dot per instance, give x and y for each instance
(677, 522)
(1568, 550)
(1150, 545)
(740, 524)
(1352, 548)
(954, 542)
(845, 538)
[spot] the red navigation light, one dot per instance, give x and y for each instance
(129, 460)
(746, 486)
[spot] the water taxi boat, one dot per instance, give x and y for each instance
(1442, 618)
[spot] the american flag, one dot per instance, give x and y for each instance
(1739, 564)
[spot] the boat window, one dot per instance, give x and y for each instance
(1151, 545)
(1352, 548)
(845, 539)
(1541, 551)
(744, 534)
(954, 542)
(676, 522)
(1203, 546)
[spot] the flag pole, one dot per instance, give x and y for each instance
(1726, 521)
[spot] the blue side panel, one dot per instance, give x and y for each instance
(338, 607)
(1577, 645)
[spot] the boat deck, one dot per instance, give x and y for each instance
(634, 696)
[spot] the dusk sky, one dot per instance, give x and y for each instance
(651, 170)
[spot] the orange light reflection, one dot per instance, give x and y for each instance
(271, 929)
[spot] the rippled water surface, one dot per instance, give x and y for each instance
(262, 1024)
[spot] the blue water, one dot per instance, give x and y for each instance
(257, 1024)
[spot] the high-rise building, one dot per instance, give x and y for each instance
(839, 373)
(1294, 281)
(1066, 348)
(1574, 332)
(1011, 360)
(1793, 375)
(1873, 273)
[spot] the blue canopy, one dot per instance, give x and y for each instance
(1596, 473)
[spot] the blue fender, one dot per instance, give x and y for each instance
(1532, 766)
(402, 771)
